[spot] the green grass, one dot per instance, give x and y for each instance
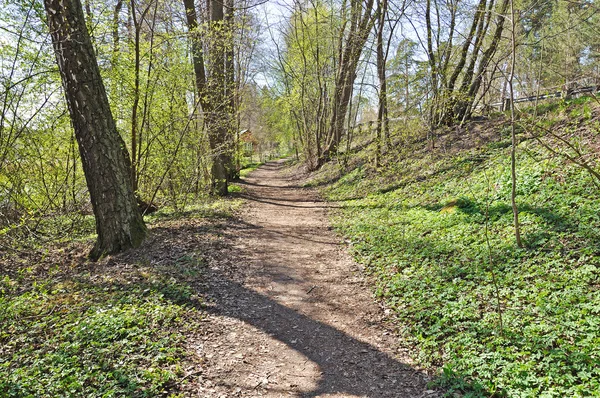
(419, 225)
(249, 168)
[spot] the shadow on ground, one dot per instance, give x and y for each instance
(348, 367)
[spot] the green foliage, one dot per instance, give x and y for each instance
(419, 225)
(116, 328)
(84, 338)
(249, 168)
(234, 188)
(306, 77)
(559, 42)
(40, 168)
(210, 208)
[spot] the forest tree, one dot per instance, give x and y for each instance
(106, 163)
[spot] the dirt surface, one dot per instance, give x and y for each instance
(288, 311)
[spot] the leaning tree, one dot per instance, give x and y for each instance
(106, 162)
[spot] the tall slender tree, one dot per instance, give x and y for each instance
(513, 147)
(212, 87)
(382, 113)
(106, 162)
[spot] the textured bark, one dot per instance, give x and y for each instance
(106, 163)
(361, 22)
(211, 91)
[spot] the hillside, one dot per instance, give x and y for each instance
(434, 229)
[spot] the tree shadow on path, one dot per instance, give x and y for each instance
(348, 366)
(285, 245)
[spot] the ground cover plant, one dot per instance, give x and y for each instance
(249, 168)
(79, 339)
(115, 328)
(435, 231)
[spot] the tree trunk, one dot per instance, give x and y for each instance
(383, 134)
(211, 91)
(230, 91)
(217, 120)
(115, 27)
(451, 104)
(136, 97)
(513, 147)
(106, 163)
(362, 22)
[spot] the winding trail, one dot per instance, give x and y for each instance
(289, 312)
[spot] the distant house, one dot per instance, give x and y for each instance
(249, 142)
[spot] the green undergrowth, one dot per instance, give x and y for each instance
(210, 208)
(116, 328)
(34, 232)
(234, 188)
(85, 338)
(493, 318)
(249, 168)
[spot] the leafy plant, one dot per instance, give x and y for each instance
(418, 224)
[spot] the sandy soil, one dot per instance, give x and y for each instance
(289, 313)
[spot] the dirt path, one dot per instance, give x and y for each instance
(289, 314)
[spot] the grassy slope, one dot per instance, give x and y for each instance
(419, 225)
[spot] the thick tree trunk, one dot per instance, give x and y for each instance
(106, 163)
(362, 21)
(211, 91)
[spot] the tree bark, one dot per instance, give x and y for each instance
(211, 91)
(230, 91)
(362, 20)
(106, 163)
(115, 27)
(217, 119)
(136, 97)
